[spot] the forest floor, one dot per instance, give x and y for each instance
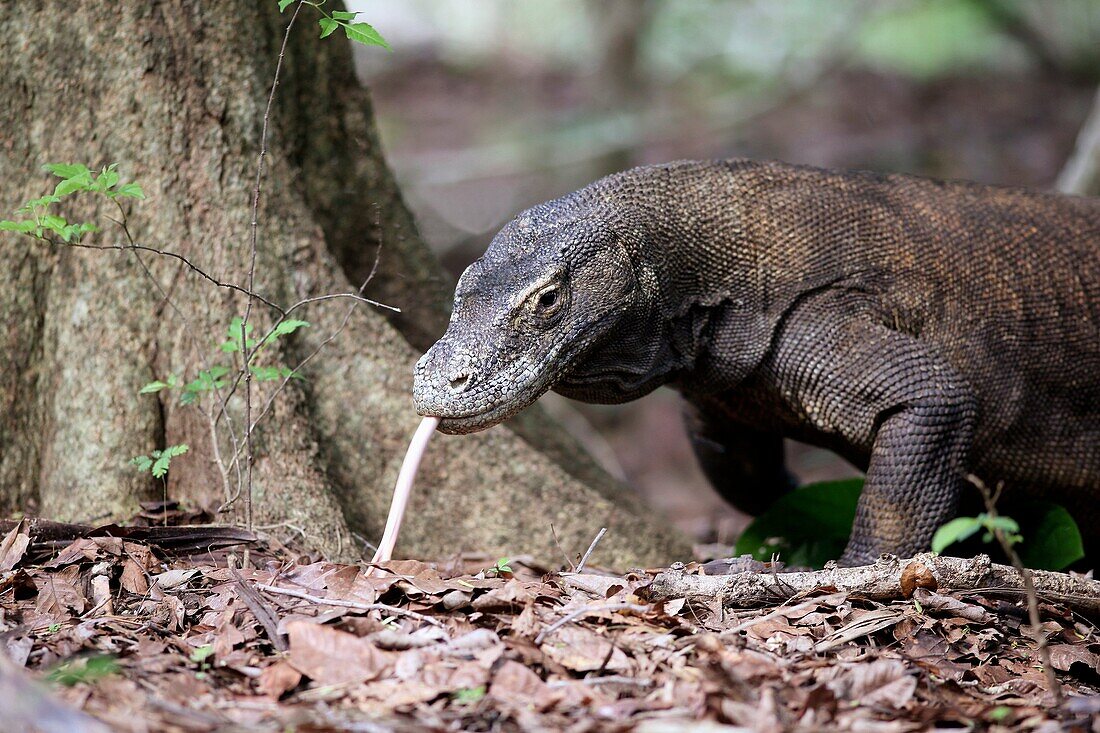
(201, 629)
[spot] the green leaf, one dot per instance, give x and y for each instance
(157, 385)
(344, 15)
(54, 223)
(954, 531)
(468, 695)
(808, 526)
(270, 373)
(85, 670)
(233, 345)
(33, 204)
(76, 231)
(76, 183)
(284, 328)
(164, 458)
(26, 226)
(1005, 524)
(1054, 540)
(205, 381)
(143, 463)
(284, 4)
(328, 25)
(130, 190)
(366, 34)
(200, 654)
(106, 179)
(67, 170)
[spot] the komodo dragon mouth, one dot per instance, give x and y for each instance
(468, 400)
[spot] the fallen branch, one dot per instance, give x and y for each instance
(890, 578)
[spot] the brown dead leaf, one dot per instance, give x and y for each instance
(59, 593)
(170, 579)
(133, 578)
(349, 584)
(517, 685)
(582, 650)
(329, 656)
(278, 679)
(932, 601)
(400, 694)
(1064, 656)
(512, 596)
(14, 545)
(882, 682)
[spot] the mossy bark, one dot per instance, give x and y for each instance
(174, 92)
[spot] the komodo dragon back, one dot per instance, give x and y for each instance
(923, 330)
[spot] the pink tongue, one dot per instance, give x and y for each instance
(404, 486)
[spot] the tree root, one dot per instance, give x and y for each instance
(890, 578)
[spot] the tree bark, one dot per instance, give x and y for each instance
(174, 92)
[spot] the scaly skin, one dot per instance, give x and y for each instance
(920, 329)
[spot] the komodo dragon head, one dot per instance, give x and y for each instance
(535, 312)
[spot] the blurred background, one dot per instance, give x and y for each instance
(486, 107)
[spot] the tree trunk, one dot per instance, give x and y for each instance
(175, 92)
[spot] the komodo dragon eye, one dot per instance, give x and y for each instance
(548, 298)
(543, 305)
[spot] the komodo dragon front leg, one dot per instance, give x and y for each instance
(892, 396)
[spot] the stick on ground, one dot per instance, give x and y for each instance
(890, 578)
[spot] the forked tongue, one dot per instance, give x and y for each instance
(404, 486)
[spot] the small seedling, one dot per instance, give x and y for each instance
(158, 462)
(468, 695)
(88, 670)
(963, 528)
(200, 656)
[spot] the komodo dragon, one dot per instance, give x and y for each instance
(920, 329)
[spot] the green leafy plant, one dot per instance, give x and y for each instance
(42, 220)
(809, 526)
(158, 461)
(1054, 538)
(355, 30)
(501, 567)
(962, 528)
(219, 376)
(87, 669)
(468, 695)
(201, 656)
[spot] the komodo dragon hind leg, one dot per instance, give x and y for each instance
(745, 466)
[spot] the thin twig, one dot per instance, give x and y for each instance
(173, 255)
(123, 224)
(588, 552)
(1029, 589)
(257, 191)
(585, 611)
(264, 615)
(349, 604)
(309, 357)
(554, 533)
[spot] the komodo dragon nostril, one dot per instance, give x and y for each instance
(459, 382)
